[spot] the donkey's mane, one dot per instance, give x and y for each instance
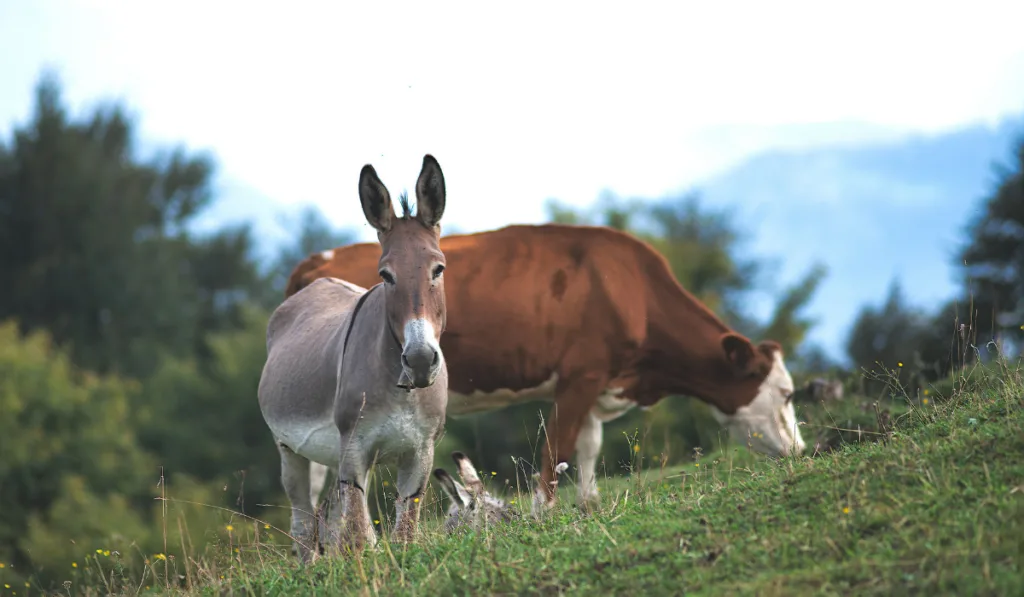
(403, 199)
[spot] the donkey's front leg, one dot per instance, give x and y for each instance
(413, 473)
(356, 530)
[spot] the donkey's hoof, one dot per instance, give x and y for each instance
(303, 554)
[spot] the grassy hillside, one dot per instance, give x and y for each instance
(932, 507)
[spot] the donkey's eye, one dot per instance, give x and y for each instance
(387, 277)
(438, 271)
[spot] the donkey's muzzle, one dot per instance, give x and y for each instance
(420, 366)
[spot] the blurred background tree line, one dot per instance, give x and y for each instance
(131, 348)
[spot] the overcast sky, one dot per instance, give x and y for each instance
(520, 102)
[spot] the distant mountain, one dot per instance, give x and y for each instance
(871, 213)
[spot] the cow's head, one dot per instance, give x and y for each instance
(761, 412)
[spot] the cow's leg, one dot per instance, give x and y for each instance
(588, 447)
(413, 474)
(574, 397)
(355, 528)
(295, 479)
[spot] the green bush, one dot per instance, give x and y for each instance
(72, 470)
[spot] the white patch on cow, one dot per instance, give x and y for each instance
(328, 255)
(478, 401)
(421, 331)
(610, 406)
(768, 424)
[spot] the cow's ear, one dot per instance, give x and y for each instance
(740, 353)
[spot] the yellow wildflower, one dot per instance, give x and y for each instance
(376, 521)
(74, 564)
(266, 526)
(229, 528)
(160, 556)
(696, 464)
(899, 364)
(99, 551)
(27, 585)
(2, 565)
(926, 391)
(7, 586)
(512, 502)
(636, 448)
(924, 401)
(106, 552)
(385, 483)
(846, 510)
(493, 473)
(416, 500)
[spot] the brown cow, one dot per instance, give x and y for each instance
(592, 319)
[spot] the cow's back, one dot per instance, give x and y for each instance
(522, 300)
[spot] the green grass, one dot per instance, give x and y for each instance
(933, 507)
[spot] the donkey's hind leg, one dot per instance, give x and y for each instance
(324, 502)
(295, 479)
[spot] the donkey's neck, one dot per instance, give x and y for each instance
(370, 334)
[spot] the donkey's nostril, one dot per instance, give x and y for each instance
(437, 359)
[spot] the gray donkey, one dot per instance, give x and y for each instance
(356, 376)
(470, 504)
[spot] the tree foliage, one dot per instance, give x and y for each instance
(68, 439)
(218, 433)
(313, 234)
(993, 259)
(94, 245)
(900, 342)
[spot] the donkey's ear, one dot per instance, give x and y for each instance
(430, 193)
(376, 200)
(468, 473)
(456, 493)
